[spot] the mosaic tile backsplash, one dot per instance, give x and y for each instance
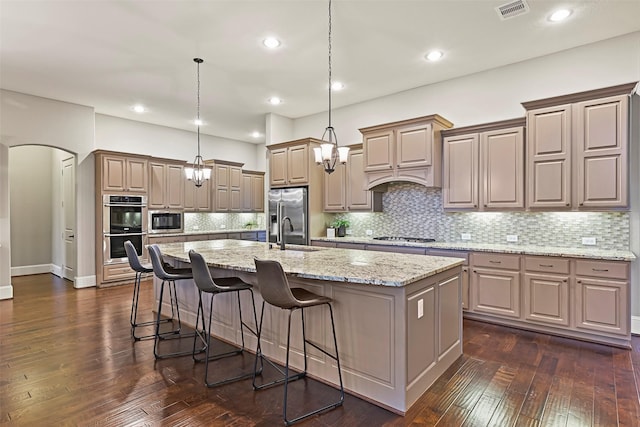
(222, 221)
(416, 211)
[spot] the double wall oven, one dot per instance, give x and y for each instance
(124, 218)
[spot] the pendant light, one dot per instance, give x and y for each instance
(329, 153)
(198, 173)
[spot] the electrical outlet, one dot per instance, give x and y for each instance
(465, 236)
(420, 308)
(589, 241)
(195, 227)
(512, 237)
(369, 232)
(348, 231)
(223, 226)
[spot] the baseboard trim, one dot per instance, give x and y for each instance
(84, 282)
(57, 270)
(635, 325)
(6, 292)
(26, 270)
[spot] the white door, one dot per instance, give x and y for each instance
(69, 218)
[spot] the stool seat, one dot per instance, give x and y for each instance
(304, 298)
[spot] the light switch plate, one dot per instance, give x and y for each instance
(420, 308)
(512, 237)
(369, 232)
(223, 226)
(465, 236)
(589, 241)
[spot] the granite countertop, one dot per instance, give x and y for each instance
(331, 264)
(591, 253)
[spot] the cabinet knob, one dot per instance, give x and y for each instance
(475, 206)
(568, 204)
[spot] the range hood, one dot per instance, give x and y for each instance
(404, 151)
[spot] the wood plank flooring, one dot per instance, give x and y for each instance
(66, 358)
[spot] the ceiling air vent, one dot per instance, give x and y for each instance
(512, 9)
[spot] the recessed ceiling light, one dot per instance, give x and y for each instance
(560, 15)
(255, 134)
(139, 108)
(271, 42)
(434, 55)
(337, 86)
(274, 100)
(198, 122)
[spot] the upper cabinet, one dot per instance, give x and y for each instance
(197, 199)
(578, 150)
(483, 166)
(166, 185)
(409, 150)
(120, 173)
(335, 192)
(252, 191)
(227, 185)
(291, 163)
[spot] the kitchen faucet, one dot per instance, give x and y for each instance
(286, 218)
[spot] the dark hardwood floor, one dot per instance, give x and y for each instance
(66, 358)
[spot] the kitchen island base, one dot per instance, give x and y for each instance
(394, 342)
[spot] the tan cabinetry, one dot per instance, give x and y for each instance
(335, 191)
(578, 149)
(227, 186)
(495, 284)
(166, 185)
(290, 163)
(464, 277)
(252, 191)
(546, 290)
(122, 173)
(197, 199)
(602, 297)
(483, 166)
(409, 150)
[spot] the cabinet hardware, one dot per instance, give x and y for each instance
(603, 270)
(545, 265)
(495, 262)
(568, 204)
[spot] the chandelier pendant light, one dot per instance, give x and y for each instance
(328, 154)
(197, 172)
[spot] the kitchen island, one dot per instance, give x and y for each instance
(398, 317)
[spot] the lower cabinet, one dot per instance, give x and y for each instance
(495, 284)
(546, 290)
(464, 276)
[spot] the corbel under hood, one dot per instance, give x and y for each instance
(408, 150)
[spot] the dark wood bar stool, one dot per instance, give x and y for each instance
(168, 275)
(206, 284)
(275, 290)
(140, 269)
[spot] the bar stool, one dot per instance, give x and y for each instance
(275, 290)
(140, 269)
(168, 275)
(206, 284)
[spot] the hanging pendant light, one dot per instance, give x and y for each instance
(198, 173)
(328, 154)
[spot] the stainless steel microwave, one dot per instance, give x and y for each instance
(166, 221)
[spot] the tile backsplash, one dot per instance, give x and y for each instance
(223, 221)
(416, 211)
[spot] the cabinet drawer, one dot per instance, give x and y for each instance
(507, 262)
(323, 244)
(345, 245)
(546, 264)
(249, 235)
(397, 249)
(607, 269)
(452, 254)
(117, 272)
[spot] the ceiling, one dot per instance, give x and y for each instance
(113, 54)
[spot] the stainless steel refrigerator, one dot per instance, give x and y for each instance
(292, 203)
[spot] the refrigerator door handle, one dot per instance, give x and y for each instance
(278, 219)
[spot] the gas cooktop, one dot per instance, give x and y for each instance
(405, 239)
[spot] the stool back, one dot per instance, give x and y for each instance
(201, 273)
(273, 284)
(134, 261)
(158, 266)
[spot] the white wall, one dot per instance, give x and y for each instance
(129, 136)
(6, 290)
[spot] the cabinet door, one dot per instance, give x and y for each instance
(157, 179)
(378, 151)
(549, 160)
(136, 175)
(278, 166)
(464, 276)
(257, 193)
(235, 189)
(113, 174)
(357, 197)
(601, 139)
(503, 168)
(298, 164)
(546, 298)
(602, 305)
(496, 292)
(460, 170)
(414, 146)
(247, 198)
(222, 197)
(174, 189)
(335, 197)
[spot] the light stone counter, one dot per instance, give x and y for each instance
(590, 253)
(336, 265)
(398, 317)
